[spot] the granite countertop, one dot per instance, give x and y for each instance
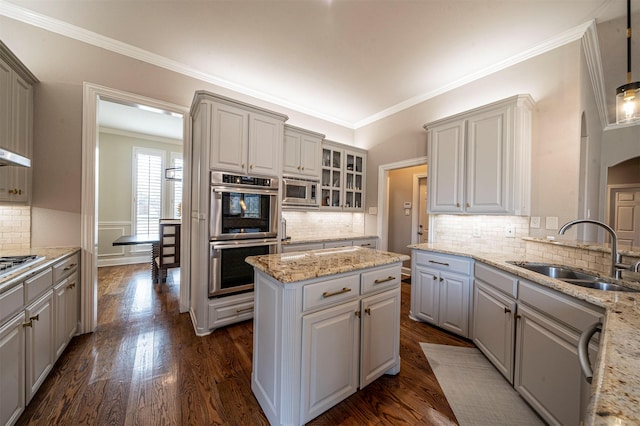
(615, 392)
(300, 266)
(51, 256)
(323, 238)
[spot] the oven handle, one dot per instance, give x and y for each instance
(253, 190)
(221, 245)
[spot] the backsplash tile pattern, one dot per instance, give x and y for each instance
(484, 233)
(301, 225)
(579, 257)
(15, 231)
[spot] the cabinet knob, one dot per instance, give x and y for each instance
(507, 310)
(251, 166)
(367, 311)
(35, 318)
(298, 167)
(243, 165)
(28, 324)
(15, 191)
(457, 204)
(435, 278)
(517, 316)
(441, 279)
(468, 205)
(302, 168)
(357, 313)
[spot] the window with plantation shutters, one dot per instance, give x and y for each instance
(147, 190)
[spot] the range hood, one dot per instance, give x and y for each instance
(8, 158)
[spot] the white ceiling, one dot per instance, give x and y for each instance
(349, 62)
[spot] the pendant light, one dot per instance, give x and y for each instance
(628, 95)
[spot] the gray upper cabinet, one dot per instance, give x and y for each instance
(16, 124)
(479, 161)
(301, 153)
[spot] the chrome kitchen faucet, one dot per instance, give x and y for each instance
(616, 263)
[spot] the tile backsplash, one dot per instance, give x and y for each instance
(15, 231)
(302, 225)
(484, 233)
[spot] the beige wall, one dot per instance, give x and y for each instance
(115, 169)
(400, 191)
(552, 79)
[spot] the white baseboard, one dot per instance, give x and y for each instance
(124, 261)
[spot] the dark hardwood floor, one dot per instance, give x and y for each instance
(144, 365)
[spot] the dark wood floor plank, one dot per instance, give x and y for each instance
(145, 365)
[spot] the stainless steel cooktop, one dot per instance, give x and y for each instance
(11, 264)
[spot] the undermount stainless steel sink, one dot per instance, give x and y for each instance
(572, 276)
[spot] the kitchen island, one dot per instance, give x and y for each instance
(326, 323)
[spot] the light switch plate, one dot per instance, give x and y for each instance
(535, 222)
(373, 210)
(551, 222)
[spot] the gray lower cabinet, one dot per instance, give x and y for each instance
(494, 327)
(530, 334)
(441, 290)
(547, 370)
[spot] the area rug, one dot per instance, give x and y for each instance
(475, 390)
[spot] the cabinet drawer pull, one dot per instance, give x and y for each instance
(335, 293)
(384, 280)
(241, 311)
(507, 310)
(439, 263)
(73, 265)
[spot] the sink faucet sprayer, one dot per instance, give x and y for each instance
(616, 266)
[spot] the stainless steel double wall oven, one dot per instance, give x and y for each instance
(243, 222)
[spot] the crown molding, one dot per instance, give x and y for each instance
(594, 65)
(586, 32)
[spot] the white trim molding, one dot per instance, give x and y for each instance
(383, 194)
(92, 93)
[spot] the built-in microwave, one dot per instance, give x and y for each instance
(299, 192)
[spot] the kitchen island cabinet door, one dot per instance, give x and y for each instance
(494, 327)
(12, 378)
(380, 343)
(330, 357)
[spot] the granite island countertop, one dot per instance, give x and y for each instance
(300, 266)
(615, 392)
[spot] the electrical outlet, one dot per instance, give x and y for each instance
(476, 231)
(510, 231)
(535, 222)
(551, 222)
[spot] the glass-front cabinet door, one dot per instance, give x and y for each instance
(354, 180)
(332, 178)
(343, 178)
